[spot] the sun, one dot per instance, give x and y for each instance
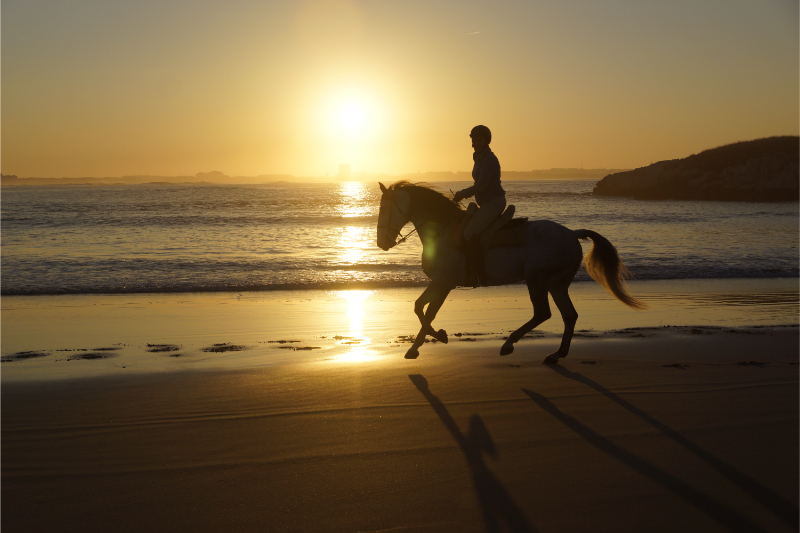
(352, 117)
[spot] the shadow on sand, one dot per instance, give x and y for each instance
(496, 503)
(723, 514)
(781, 507)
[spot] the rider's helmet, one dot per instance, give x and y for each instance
(481, 131)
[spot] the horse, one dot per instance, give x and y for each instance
(547, 262)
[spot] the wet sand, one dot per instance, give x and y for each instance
(67, 337)
(200, 418)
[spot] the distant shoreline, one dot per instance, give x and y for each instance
(218, 178)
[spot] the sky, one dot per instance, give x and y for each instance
(112, 88)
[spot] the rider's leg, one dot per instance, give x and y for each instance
(487, 213)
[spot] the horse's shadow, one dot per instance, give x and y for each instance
(727, 516)
(496, 503)
(781, 507)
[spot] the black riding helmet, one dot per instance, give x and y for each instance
(481, 131)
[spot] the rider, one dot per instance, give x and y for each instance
(489, 195)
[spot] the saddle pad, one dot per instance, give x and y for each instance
(512, 234)
(514, 222)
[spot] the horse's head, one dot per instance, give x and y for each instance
(392, 217)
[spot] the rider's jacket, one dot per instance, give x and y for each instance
(486, 173)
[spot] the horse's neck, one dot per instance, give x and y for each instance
(430, 229)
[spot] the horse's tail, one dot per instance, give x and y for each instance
(606, 268)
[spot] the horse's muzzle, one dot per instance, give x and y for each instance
(385, 240)
(386, 246)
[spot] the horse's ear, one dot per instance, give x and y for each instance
(383, 189)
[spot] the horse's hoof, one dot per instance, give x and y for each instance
(442, 336)
(507, 349)
(412, 353)
(551, 359)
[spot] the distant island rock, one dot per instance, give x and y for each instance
(763, 170)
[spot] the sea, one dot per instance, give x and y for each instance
(299, 236)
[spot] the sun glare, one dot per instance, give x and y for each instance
(359, 350)
(351, 122)
(352, 117)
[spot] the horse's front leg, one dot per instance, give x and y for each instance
(434, 297)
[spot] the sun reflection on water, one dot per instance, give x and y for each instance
(359, 350)
(354, 200)
(353, 241)
(355, 204)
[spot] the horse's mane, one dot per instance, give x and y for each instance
(427, 199)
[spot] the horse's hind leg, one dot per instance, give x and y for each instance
(541, 312)
(560, 294)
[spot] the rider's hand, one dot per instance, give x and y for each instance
(458, 197)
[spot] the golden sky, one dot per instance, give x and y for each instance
(111, 88)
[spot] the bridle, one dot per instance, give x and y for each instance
(389, 225)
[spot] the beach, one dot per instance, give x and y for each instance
(217, 219)
(296, 411)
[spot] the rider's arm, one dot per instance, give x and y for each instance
(489, 171)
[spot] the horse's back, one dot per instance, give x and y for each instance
(550, 231)
(551, 251)
(551, 247)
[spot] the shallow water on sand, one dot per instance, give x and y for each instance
(104, 334)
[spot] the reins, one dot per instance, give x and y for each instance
(410, 233)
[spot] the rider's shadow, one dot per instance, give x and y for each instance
(496, 503)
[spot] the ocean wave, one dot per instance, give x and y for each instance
(185, 220)
(533, 195)
(197, 239)
(361, 277)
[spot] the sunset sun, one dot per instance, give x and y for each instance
(352, 117)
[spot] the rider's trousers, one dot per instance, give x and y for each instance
(486, 214)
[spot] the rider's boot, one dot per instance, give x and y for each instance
(476, 271)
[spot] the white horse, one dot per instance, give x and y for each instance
(547, 262)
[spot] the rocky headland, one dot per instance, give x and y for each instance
(763, 170)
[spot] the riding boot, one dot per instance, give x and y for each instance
(475, 262)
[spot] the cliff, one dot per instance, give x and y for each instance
(764, 170)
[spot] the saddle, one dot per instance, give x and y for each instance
(504, 231)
